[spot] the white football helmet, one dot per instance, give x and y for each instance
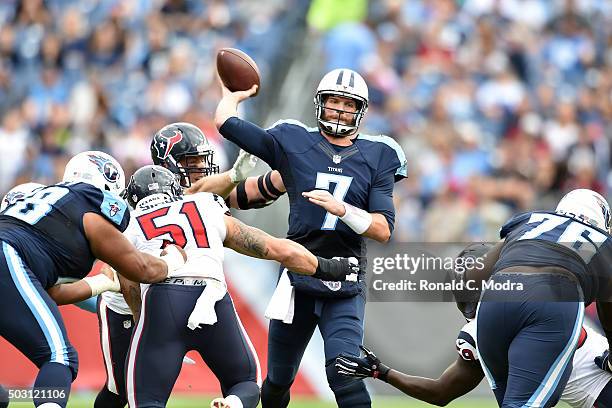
(98, 169)
(346, 83)
(587, 206)
(18, 192)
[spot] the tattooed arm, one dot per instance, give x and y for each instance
(256, 243)
(131, 294)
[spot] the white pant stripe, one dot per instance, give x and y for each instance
(111, 383)
(37, 305)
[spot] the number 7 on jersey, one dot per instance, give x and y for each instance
(342, 185)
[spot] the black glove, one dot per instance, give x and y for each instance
(362, 367)
(603, 361)
(337, 269)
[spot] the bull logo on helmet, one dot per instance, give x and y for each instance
(106, 167)
(164, 144)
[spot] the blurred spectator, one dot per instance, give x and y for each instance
(106, 75)
(500, 105)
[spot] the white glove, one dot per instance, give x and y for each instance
(102, 283)
(244, 164)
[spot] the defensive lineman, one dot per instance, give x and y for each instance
(193, 311)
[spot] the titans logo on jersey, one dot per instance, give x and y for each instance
(550, 239)
(46, 228)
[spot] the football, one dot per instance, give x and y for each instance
(237, 70)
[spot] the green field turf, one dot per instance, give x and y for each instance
(86, 401)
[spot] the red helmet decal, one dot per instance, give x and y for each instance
(166, 143)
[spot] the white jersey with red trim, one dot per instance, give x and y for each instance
(194, 222)
(586, 381)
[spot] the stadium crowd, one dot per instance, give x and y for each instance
(500, 105)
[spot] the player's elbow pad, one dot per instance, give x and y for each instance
(268, 193)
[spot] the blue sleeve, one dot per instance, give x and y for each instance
(252, 139)
(116, 210)
(89, 305)
(392, 155)
(512, 223)
(381, 196)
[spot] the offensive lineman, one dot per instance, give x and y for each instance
(193, 311)
(77, 293)
(58, 232)
(587, 386)
(562, 261)
(329, 173)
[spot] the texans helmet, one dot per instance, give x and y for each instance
(173, 143)
(150, 180)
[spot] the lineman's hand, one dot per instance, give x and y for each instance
(244, 164)
(603, 361)
(361, 367)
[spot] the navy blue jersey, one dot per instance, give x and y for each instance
(549, 239)
(46, 228)
(362, 174)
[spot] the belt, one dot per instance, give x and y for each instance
(184, 281)
(538, 270)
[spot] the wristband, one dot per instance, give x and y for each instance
(356, 219)
(102, 283)
(381, 372)
(173, 258)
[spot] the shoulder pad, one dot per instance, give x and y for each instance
(212, 200)
(466, 343)
(115, 209)
(402, 170)
(513, 223)
(221, 202)
(294, 123)
(293, 136)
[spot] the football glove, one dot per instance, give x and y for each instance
(362, 367)
(603, 361)
(337, 269)
(244, 164)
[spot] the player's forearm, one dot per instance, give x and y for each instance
(143, 268)
(421, 388)
(219, 184)
(293, 256)
(131, 293)
(69, 293)
(379, 228)
(227, 108)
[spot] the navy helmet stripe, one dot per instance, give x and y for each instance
(352, 80)
(340, 75)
